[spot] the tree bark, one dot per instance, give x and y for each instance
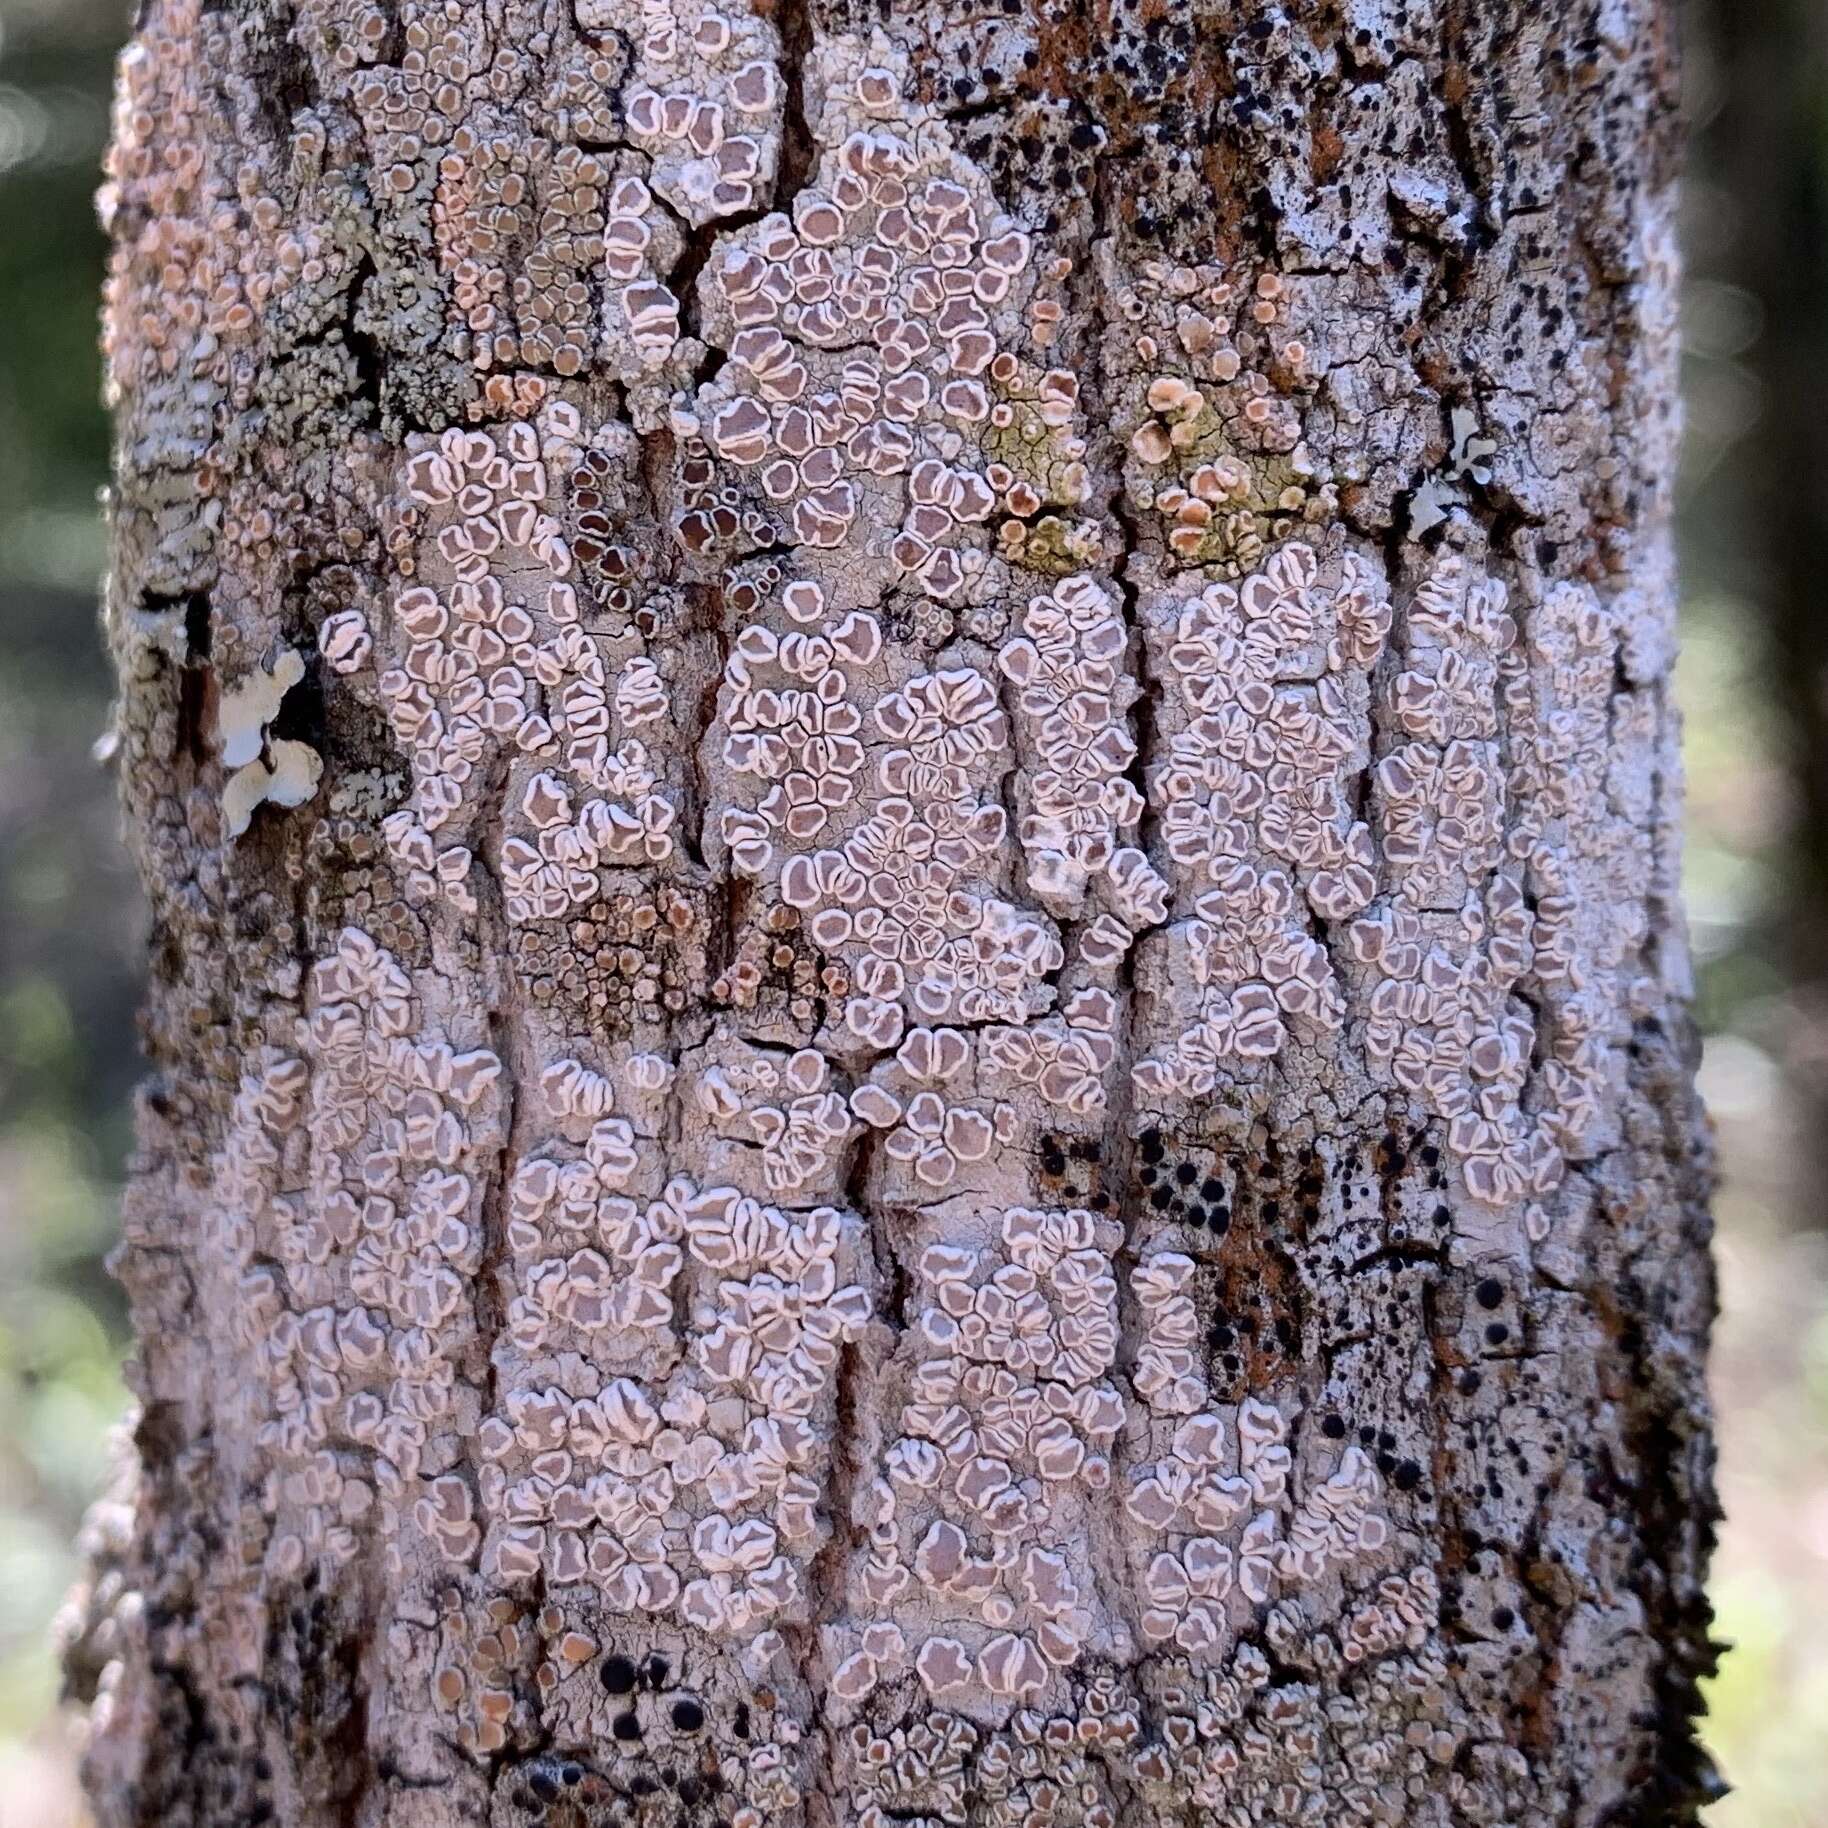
(918, 1022)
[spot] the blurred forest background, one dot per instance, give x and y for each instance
(1754, 682)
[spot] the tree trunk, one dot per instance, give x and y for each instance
(918, 1024)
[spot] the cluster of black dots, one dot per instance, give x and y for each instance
(623, 1679)
(557, 1788)
(1183, 1191)
(1380, 1443)
(1073, 1171)
(1489, 1293)
(1233, 1336)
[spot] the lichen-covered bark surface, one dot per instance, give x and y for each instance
(918, 1027)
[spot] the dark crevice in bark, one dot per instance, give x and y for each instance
(890, 1269)
(855, 1381)
(369, 357)
(290, 86)
(799, 151)
(198, 628)
(493, 1269)
(302, 715)
(195, 681)
(1670, 1485)
(1460, 255)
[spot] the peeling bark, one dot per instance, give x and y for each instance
(918, 1025)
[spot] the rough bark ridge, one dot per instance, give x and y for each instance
(918, 1023)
